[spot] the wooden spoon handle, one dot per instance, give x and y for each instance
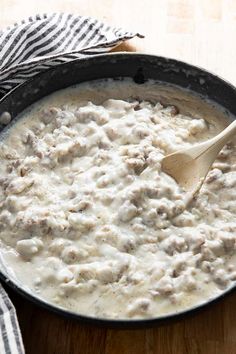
(214, 145)
(223, 137)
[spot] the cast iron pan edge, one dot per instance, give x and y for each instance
(140, 67)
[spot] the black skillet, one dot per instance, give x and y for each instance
(139, 67)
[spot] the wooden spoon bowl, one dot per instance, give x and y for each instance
(189, 167)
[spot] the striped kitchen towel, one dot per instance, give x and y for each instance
(10, 336)
(27, 48)
(41, 42)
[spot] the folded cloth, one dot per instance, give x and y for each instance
(10, 336)
(41, 42)
(27, 48)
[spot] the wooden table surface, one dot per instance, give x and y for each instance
(203, 33)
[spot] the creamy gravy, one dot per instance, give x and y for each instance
(88, 220)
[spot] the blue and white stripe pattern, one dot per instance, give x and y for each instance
(10, 336)
(41, 42)
(27, 48)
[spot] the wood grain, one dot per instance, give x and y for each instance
(210, 331)
(201, 32)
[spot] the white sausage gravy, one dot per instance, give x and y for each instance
(90, 223)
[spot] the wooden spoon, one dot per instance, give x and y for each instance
(189, 167)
